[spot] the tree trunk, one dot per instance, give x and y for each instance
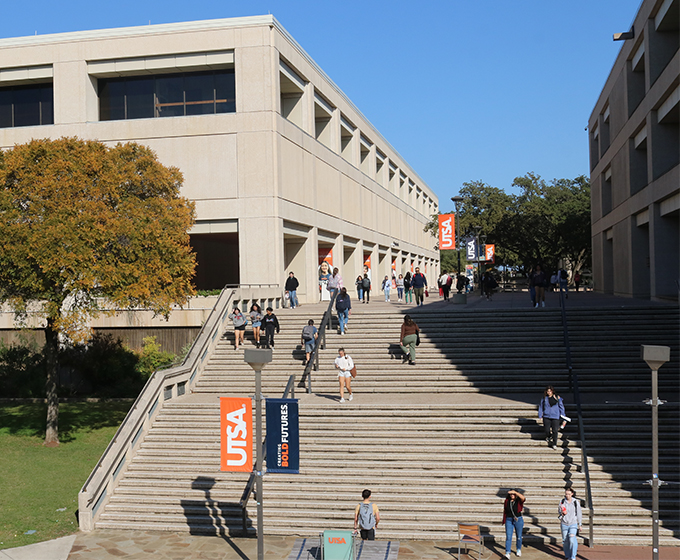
(51, 348)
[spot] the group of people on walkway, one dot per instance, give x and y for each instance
(258, 319)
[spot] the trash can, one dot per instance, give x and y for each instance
(337, 545)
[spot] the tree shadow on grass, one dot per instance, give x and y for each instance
(28, 419)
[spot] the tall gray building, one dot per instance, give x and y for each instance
(635, 161)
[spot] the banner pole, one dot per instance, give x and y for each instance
(258, 479)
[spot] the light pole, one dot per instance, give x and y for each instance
(257, 359)
(655, 356)
(479, 275)
(456, 200)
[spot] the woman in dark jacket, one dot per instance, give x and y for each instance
(551, 409)
(408, 291)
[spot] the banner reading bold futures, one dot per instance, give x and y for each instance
(236, 434)
(283, 436)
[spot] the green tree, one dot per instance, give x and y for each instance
(83, 224)
(545, 222)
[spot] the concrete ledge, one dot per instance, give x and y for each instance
(458, 299)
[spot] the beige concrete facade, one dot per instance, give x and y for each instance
(635, 161)
(295, 169)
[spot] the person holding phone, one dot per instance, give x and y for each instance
(513, 521)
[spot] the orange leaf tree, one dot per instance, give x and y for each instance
(84, 228)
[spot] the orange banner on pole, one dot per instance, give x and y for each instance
(236, 431)
(447, 237)
(490, 251)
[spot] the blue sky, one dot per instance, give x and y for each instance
(463, 89)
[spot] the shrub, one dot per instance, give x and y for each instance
(152, 357)
(22, 371)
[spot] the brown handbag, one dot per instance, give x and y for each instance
(353, 371)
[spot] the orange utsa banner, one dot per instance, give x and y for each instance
(490, 253)
(236, 431)
(447, 239)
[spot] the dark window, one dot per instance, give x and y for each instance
(26, 105)
(167, 95)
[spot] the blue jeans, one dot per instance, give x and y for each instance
(569, 540)
(343, 317)
(518, 526)
(400, 292)
(387, 294)
(293, 298)
(360, 291)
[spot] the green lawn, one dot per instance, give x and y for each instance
(36, 481)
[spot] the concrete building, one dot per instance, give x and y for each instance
(635, 161)
(284, 169)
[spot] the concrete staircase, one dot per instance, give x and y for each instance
(437, 443)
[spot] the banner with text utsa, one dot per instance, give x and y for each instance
(447, 238)
(236, 434)
(283, 436)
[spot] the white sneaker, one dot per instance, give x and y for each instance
(542, 304)
(519, 552)
(342, 400)
(507, 555)
(350, 397)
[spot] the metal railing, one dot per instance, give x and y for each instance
(573, 383)
(162, 386)
(313, 362)
(248, 490)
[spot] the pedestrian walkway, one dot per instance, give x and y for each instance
(143, 545)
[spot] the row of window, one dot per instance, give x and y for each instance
(165, 95)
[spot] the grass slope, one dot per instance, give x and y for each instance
(37, 481)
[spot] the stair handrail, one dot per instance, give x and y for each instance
(248, 490)
(573, 381)
(313, 362)
(161, 386)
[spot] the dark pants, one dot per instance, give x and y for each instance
(367, 534)
(367, 295)
(446, 290)
(269, 337)
(551, 425)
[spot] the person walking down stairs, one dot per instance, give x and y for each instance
(240, 322)
(343, 305)
(271, 324)
(570, 514)
(344, 364)
(366, 517)
(551, 410)
(410, 337)
(513, 521)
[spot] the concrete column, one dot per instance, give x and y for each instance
(308, 124)
(339, 255)
(261, 236)
(312, 268)
(664, 251)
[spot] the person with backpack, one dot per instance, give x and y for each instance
(551, 410)
(366, 517)
(513, 520)
(489, 284)
(410, 335)
(343, 305)
(570, 516)
(309, 336)
(563, 279)
(445, 283)
(271, 324)
(366, 285)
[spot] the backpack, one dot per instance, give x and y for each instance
(366, 517)
(563, 274)
(492, 283)
(366, 283)
(308, 332)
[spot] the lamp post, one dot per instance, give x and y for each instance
(483, 239)
(655, 356)
(456, 200)
(479, 276)
(257, 359)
